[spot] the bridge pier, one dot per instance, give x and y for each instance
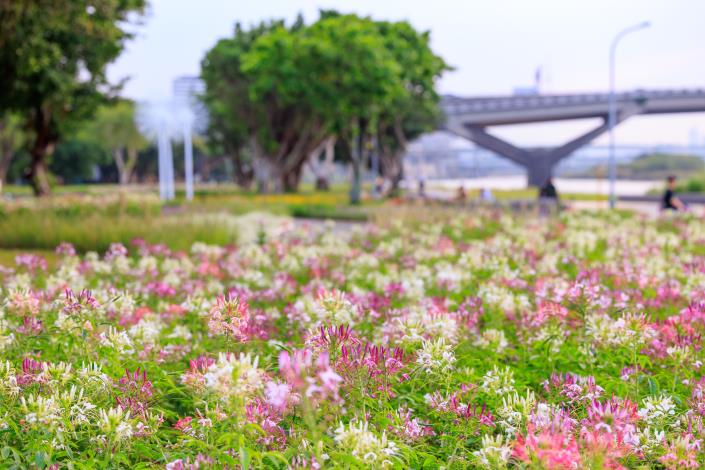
(539, 170)
(469, 118)
(538, 162)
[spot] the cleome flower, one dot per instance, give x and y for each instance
(494, 453)
(498, 381)
(234, 377)
(364, 444)
(436, 357)
(659, 412)
(115, 424)
(230, 316)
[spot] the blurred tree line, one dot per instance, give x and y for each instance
(279, 97)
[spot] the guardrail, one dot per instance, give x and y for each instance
(454, 104)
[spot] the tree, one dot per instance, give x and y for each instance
(233, 115)
(416, 110)
(12, 138)
(114, 128)
(276, 95)
(352, 79)
(283, 80)
(53, 55)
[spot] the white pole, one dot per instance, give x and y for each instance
(161, 164)
(168, 155)
(188, 161)
(612, 117)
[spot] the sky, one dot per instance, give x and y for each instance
(494, 45)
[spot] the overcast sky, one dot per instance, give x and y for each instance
(495, 46)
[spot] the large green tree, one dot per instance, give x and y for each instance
(352, 79)
(233, 116)
(53, 54)
(277, 94)
(283, 76)
(416, 110)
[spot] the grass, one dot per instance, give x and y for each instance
(97, 232)
(91, 217)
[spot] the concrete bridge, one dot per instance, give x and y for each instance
(470, 118)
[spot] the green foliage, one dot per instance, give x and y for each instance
(74, 160)
(114, 127)
(275, 93)
(233, 115)
(54, 56)
(94, 225)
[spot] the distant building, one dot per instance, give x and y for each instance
(187, 91)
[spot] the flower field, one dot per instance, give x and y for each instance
(479, 341)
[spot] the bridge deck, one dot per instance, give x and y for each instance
(500, 110)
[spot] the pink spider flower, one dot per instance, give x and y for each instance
(552, 450)
(136, 391)
(573, 387)
(75, 304)
(33, 263)
(469, 312)
(116, 250)
(268, 419)
(230, 316)
(682, 452)
(24, 303)
(311, 376)
(32, 372)
(378, 365)
(410, 429)
(605, 447)
(194, 377)
(615, 417)
(65, 249)
(30, 326)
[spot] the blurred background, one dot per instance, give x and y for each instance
(335, 108)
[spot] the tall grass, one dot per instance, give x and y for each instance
(97, 232)
(92, 224)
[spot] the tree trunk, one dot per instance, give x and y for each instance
(6, 153)
(392, 166)
(356, 160)
(130, 164)
(292, 178)
(5, 160)
(38, 174)
(322, 169)
(123, 174)
(44, 142)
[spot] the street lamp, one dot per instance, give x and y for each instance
(612, 118)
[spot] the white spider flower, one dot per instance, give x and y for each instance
(436, 356)
(494, 453)
(364, 444)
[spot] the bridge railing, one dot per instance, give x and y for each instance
(456, 105)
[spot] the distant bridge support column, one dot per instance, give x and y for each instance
(538, 163)
(539, 169)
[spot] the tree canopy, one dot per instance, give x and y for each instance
(53, 55)
(276, 93)
(114, 129)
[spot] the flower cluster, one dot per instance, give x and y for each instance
(472, 342)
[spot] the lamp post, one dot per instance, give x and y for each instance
(612, 118)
